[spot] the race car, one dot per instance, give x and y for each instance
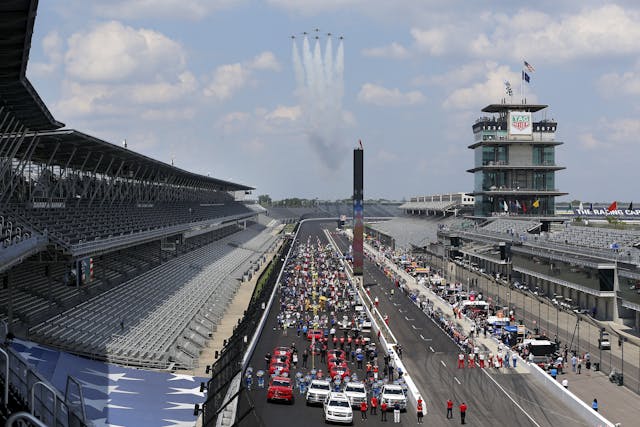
(280, 389)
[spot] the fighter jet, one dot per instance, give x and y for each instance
(317, 29)
(341, 38)
(317, 38)
(293, 37)
(329, 34)
(305, 33)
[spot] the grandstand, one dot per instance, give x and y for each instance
(105, 252)
(169, 324)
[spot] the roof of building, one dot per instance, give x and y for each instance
(497, 108)
(70, 148)
(17, 95)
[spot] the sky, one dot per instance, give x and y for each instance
(212, 85)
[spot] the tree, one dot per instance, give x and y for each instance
(264, 200)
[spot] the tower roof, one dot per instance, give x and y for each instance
(497, 108)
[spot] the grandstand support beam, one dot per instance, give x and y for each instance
(7, 165)
(21, 165)
(11, 132)
(129, 181)
(62, 174)
(87, 184)
(12, 146)
(107, 193)
(100, 184)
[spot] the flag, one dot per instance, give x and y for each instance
(524, 207)
(525, 77)
(507, 88)
(581, 207)
(506, 207)
(536, 203)
(590, 206)
(612, 207)
(360, 142)
(631, 206)
(529, 67)
(518, 206)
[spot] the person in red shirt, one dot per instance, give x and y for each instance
(463, 412)
(374, 405)
(363, 410)
(383, 411)
(449, 409)
(419, 408)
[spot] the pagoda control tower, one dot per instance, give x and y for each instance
(515, 166)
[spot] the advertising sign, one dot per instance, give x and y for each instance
(520, 125)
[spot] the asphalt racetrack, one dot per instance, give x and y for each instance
(493, 398)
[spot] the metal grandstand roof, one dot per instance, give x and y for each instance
(93, 154)
(17, 95)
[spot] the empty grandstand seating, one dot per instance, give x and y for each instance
(513, 227)
(163, 316)
(77, 224)
(594, 237)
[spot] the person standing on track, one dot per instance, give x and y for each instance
(460, 360)
(419, 408)
(463, 412)
(363, 410)
(383, 411)
(396, 412)
(374, 405)
(449, 409)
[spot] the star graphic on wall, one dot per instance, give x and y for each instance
(177, 377)
(193, 391)
(112, 376)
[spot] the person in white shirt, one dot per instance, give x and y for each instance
(565, 383)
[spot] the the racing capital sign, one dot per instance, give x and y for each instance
(520, 123)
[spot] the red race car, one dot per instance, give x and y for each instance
(282, 351)
(340, 354)
(280, 389)
(278, 368)
(340, 369)
(317, 333)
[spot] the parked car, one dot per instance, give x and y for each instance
(280, 389)
(337, 409)
(604, 342)
(318, 391)
(356, 393)
(392, 393)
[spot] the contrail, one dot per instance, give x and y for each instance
(320, 89)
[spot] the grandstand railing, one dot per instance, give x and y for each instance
(85, 248)
(22, 380)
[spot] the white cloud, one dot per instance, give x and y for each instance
(392, 51)
(230, 78)
(281, 112)
(589, 33)
(620, 84)
(162, 92)
(435, 41)
(490, 90)
(380, 96)
(53, 47)
(115, 52)
(265, 61)
(611, 134)
(189, 9)
(227, 79)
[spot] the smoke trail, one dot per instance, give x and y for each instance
(320, 89)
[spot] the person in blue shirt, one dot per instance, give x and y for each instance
(554, 372)
(594, 405)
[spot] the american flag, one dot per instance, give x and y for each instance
(529, 67)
